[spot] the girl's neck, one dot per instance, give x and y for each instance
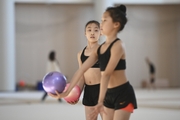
(91, 44)
(110, 38)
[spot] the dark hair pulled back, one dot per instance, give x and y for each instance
(118, 14)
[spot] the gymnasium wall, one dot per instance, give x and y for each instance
(152, 30)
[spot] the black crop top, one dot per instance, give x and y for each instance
(104, 58)
(83, 59)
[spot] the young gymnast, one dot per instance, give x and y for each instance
(91, 78)
(116, 98)
(152, 71)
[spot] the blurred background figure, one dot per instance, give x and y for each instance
(52, 65)
(151, 83)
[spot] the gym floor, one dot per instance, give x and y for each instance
(159, 104)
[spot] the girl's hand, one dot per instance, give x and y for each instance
(73, 102)
(99, 108)
(58, 95)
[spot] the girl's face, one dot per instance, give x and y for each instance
(107, 24)
(92, 32)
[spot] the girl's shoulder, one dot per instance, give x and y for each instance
(79, 53)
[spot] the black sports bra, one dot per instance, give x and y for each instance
(104, 58)
(83, 59)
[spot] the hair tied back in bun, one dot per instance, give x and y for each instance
(122, 8)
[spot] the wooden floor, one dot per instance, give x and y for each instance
(160, 104)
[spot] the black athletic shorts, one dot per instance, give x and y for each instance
(120, 96)
(91, 95)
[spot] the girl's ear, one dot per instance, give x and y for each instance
(116, 24)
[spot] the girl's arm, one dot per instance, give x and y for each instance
(83, 68)
(78, 74)
(81, 80)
